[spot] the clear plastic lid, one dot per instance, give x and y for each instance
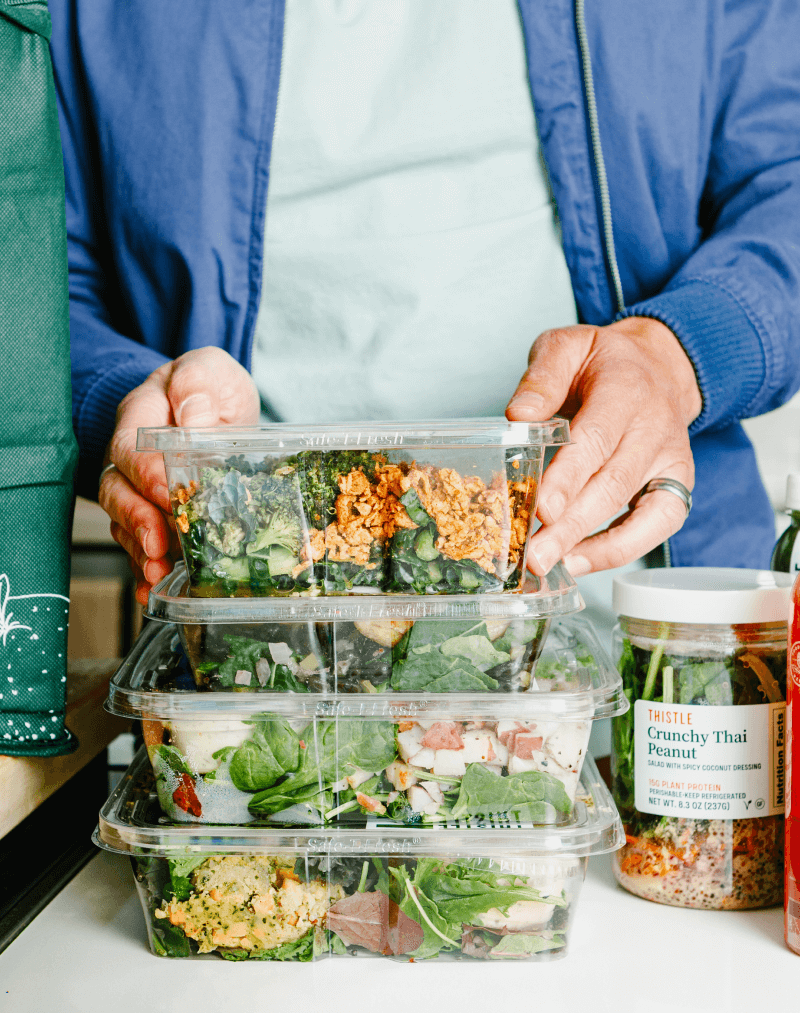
(574, 679)
(704, 595)
(554, 595)
(131, 822)
(290, 437)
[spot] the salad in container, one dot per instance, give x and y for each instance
(323, 759)
(698, 761)
(472, 893)
(441, 507)
(350, 644)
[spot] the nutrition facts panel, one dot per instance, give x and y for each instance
(87, 953)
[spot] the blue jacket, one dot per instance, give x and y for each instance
(687, 191)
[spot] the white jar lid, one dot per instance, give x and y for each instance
(793, 492)
(704, 594)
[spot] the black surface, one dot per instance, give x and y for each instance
(41, 855)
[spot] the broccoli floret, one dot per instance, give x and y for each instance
(283, 528)
(278, 489)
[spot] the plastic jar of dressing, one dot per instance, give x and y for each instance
(698, 763)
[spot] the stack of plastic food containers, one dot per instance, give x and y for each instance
(366, 729)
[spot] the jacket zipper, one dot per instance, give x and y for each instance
(602, 179)
(597, 152)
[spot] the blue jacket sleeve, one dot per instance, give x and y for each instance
(735, 303)
(106, 364)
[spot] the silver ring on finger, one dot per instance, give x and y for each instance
(105, 471)
(666, 485)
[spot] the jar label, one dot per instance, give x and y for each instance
(710, 762)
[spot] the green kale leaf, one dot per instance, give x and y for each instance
(435, 673)
(448, 657)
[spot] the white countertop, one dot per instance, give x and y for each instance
(87, 952)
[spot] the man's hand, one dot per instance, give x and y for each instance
(631, 392)
(204, 387)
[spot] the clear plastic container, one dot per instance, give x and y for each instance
(303, 758)
(453, 643)
(439, 507)
(698, 761)
(474, 892)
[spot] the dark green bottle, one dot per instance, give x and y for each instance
(786, 554)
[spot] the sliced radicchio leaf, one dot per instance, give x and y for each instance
(375, 922)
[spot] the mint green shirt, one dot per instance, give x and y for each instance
(412, 252)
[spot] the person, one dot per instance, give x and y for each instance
(385, 244)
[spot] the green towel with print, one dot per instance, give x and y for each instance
(37, 446)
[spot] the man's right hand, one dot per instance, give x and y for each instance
(204, 387)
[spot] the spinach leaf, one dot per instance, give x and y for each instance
(274, 750)
(343, 746)
(285, 681)
(527, 795)
(291, 792)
